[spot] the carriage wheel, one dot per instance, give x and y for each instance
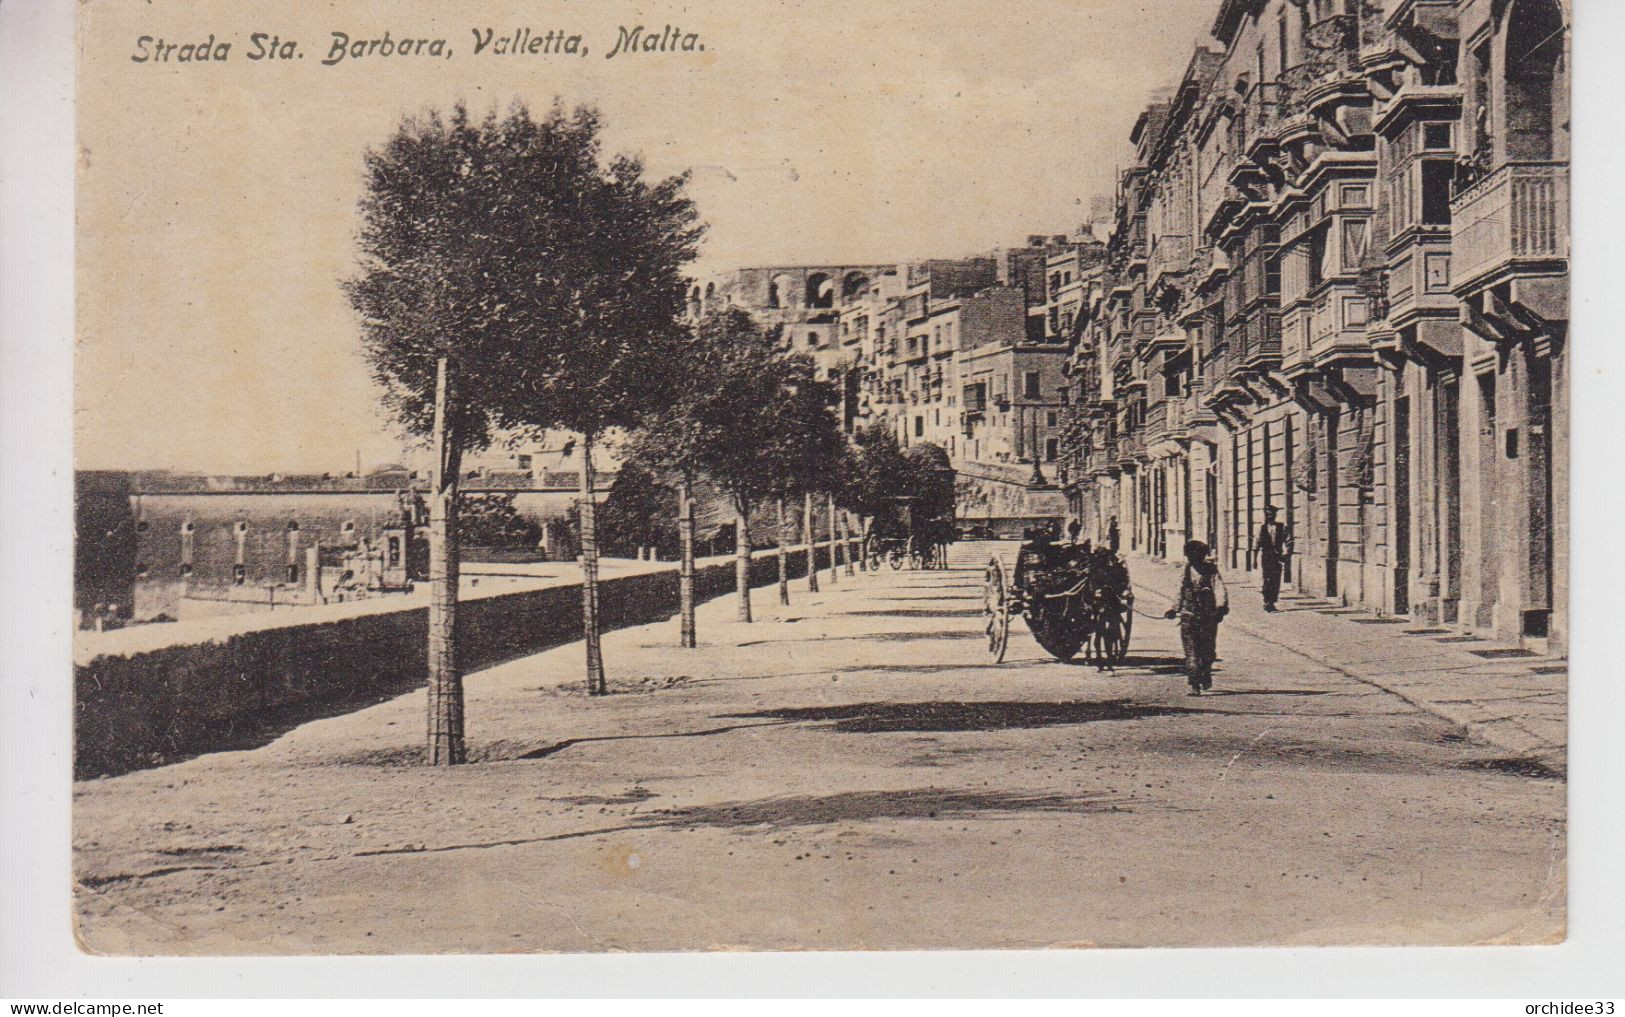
(996, 611)
(895, 558)
(871, 555)
(1057, 634)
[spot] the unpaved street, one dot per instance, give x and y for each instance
(850, 772)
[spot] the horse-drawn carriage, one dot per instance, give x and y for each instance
(1074, 598)
(910, 534)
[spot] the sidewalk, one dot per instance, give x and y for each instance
(1504, 695)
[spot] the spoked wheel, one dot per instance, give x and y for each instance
(895, 558)
(996, 611)
(871, 556)
(1056, 632)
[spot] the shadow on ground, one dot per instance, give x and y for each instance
(919, 612)
(858, 807)
(885, 718)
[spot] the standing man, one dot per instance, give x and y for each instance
(1272, 549)
(1203, 602)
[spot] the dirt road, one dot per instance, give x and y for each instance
(850, 772)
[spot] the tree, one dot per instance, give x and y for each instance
(805, 447)
(593, 284)
(672, 440)
(491, 520)
(735, 420)
(641, 511)
(878, 475)
(434, 325)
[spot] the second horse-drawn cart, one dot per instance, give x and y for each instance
(1074, 599)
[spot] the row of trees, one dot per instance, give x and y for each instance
(515, 280)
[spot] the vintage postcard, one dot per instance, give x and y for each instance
(771, 475)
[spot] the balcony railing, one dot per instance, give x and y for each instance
(1519, 213)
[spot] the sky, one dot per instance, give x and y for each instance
(216, 201)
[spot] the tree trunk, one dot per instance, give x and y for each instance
(807, 538)
(742, 560)
(784, 566)
(685, 570)
(445, 700)
(834, 546)
(596, 684)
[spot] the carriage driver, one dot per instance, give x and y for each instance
(1203, 602)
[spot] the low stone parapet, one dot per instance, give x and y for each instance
(153, 694)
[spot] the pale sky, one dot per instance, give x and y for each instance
(216, 201)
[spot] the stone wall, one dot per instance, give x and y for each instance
(162, 704)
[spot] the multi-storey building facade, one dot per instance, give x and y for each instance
(1338, 284)
(947, 352)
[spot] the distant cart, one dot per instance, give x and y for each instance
(909, 535)
(1074, 599)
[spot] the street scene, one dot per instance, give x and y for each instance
(634, 539)
(858, 755)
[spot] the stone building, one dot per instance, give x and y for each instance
(155, 544)
(1338, 284)
(947, 352)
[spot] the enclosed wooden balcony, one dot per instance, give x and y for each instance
(1514, 220)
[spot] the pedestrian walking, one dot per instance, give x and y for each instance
(1271, 550)
(1203, 603)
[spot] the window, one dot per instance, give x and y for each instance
(1436, 136)
(1030, 385)
(524, 463)
(1050, 419)
(1052, 449)
(1280, 39)
(919, 427)
(1437, 177)
(1355, 234)
(1317, 256)
(293, 572)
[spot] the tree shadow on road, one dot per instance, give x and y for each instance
(888, 718)
(883, 637)
(858, 807)
(919, 612)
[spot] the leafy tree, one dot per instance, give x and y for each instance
(641, 511)
(878, 475)
(430, 295)
(805, 448)
(732, 421)
(593, 290)
(491, 520)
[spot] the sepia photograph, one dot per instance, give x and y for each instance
(775, 476)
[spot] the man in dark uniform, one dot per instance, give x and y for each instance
(1271, 550)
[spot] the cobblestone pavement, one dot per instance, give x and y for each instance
(852, 772)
